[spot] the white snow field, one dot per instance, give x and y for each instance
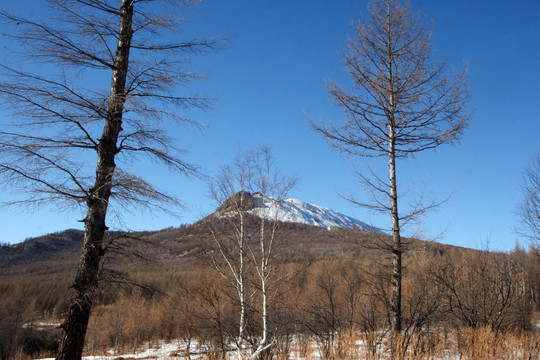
(297, 211)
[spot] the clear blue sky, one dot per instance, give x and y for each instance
(271, 78)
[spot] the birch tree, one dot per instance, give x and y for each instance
(230, 190)
(248, 251)
(402, 103)
(71, 132)
(272, 188)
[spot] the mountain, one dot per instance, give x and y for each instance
(291, 211)
(304, 230)
(61, 245)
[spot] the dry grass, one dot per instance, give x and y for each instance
(463, 344)
(441, 344)
(486, 344)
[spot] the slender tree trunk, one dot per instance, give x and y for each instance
(263, 275)
(396, 248)
(264, 305)
(86, 280)
(396, 232)
(241, 285)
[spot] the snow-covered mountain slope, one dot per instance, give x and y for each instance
(296, 211)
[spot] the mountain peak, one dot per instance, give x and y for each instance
(290, 210)
(241, 201)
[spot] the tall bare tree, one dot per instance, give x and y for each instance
(403, 103)
(529, 210)
(71, 131)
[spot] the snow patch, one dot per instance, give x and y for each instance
(163, 351)
(297, 211)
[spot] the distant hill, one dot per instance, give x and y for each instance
(65, 244)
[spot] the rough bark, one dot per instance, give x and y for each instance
(86, 280)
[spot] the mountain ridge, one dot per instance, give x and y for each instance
(305, 228)
(41, 248)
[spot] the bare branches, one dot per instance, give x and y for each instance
(529, 210)
(247, 243)
(403, 103)
(107, 86)
(52, 175)
(71, 114)
(398, 87)
(51, 44)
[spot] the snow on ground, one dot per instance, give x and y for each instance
(175, 350)
(40, 325)
(164, 351)
(296, 211)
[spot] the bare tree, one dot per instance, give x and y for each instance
(485, 289)
(250, 191)
(272, 188)
(70, 134)
(230, 190)
(403, 103)
(529, 209)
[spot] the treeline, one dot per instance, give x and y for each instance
(27, 300)
(454, 301)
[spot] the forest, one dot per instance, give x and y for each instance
(325, 301)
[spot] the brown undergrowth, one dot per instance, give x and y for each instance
(330, 305)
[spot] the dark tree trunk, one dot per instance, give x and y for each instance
(86, 280)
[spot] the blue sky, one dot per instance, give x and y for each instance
(271, 78)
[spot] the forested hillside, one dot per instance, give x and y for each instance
(328, 285)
